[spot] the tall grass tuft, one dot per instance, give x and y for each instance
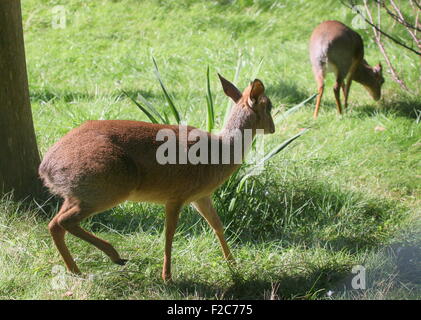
(209, 101)
(173, 108)
(142, 108)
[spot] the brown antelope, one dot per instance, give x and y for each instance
(336, 48)
(102, 163)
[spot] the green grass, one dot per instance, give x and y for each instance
(343, 194)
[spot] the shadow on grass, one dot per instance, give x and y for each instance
(408, 261)
(294, 212)
(258, 285)
(258, 289)
(291, 212)
(286, 92)
(307, 280)
(298, 286)
(410, 108)
(309, 213)
(66, 96)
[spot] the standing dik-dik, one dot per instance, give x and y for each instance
(103, 163)
(336, 48)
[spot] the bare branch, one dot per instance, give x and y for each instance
(417, 15)
(411, 33)
(379, 30)
(377, 38)
(397, 18)
(378, 20)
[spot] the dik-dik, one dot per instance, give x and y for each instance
(102, 163)
(336, 48)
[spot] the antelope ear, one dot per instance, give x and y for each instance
(230, 89)
(257, 89)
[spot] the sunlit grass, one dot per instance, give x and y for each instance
(345, 193)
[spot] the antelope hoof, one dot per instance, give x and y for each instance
(167, 278)
(121, 262)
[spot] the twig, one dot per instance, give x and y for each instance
(398, 11)
(417, 15)
(377, 34)
(381, 31)
(397, 18)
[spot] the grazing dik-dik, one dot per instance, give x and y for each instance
(336, 48)
(102, 163)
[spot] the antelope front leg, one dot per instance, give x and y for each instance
(172, 212)
(320, 87)
(318, 101)
(206, 209)
(337, 92)
(347, 86)
(346, 89)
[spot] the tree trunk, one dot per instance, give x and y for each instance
(19, 157)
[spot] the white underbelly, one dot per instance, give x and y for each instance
(141, 196)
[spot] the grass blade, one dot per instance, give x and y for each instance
(167, 120)
(143, 109)
(295, 108)
(257, 70)
(236, 76)
(209, 100)
(269, 155)
(152, 109)
(282, 146)
(167, 96)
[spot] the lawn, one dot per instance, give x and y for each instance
(345, 194)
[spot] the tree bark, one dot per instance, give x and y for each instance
(19, 157)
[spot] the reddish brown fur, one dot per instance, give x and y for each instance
(335, 47)
(103, 163)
